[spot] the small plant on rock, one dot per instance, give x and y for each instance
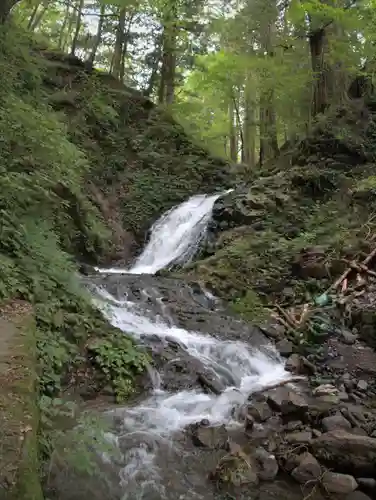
(120, 360)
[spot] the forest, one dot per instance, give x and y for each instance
(187, 247)
(244, 77)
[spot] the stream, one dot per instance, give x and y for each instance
(208, 361)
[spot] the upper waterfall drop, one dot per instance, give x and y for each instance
(175, 237)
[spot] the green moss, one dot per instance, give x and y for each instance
(19, 403)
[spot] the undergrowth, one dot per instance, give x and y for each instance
(39, 165)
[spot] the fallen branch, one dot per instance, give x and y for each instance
(345, 274)
(287, 316)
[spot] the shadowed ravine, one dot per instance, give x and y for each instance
(207, 362)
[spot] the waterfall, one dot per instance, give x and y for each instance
(175, 238)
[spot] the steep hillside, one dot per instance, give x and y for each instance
(85, 166)
(141, 161)
(294, 229)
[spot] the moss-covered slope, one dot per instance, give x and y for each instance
(290, 232)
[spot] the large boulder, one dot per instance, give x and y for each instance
(346, 452)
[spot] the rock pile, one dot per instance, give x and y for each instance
(311, 434)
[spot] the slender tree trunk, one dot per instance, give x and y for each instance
(119, 42)
(233, 135)
(39, 17)
(98, 36)
(268, 117)
(63, 27)
(80, 4)
(249, 125)
(68, 31)
(33, 16)
(125, 47)
(317, 42)
(168, 70)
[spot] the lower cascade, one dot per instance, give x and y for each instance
(157, 461)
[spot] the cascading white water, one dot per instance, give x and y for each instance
(174, 238)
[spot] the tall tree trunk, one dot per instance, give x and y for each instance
(168, 70)
(119, 42)
(68, 30)
(153, 62)
(63, 28)
(80, 4)
(317, 43)
(125, 47)
(98, 36)
(233, 135)
(33, 16)
(5, 7)
(268, 117)
(249, 125)
(330, 79)
(38, 18)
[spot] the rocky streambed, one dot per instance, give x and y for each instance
(219, 421)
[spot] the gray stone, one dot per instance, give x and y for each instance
(284, 347)
(334, 482)
(348, 451)
(368, 483)
(294, 364)
(308, 469)
(299, 437)
(267, 463)
(260, 411)
(357, 495)
(362, 385)
(348, 337)
(287, 401)
(335, 422)
(209, 437)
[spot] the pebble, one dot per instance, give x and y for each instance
(362, 385)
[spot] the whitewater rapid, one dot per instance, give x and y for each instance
(175, 238)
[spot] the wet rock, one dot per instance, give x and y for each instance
(335, 422)
(209, 437)
(294, 364)
(260, 411)
(268, 465)
(284, 347)
(308, 469)
(249, 423)
(299, 437)
(211, 382)
(333, 482)
(346, 451)
(286, 401)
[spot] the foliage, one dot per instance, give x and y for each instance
(119, 360)
(72, 440)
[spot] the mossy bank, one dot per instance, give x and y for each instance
(86, 165)
(296, 224)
